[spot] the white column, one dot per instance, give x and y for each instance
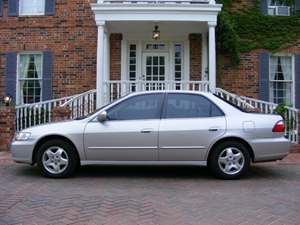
(212, 56)
(100, 64)
(204, 56)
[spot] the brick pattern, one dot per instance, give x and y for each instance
(60, 114)
(72, 36)
(7, 126)
(151, 196)
(195, 56)
(115, 56)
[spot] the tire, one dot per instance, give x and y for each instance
(57, 159)
(229, 166)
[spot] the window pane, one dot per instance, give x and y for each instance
(139, 107)
(190, 106)
(32, 7)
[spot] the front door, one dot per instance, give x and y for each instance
(155, 70)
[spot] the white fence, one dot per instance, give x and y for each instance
(156, 2)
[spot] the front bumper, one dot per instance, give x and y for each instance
(270, 149)
(22, 151)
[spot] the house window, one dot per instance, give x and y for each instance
(31, 7)
(178, 64)
(30, 78)
(132, 65)
(278, 8)
(281, 79)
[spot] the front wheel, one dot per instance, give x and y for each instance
(57, 159)
(229, 160)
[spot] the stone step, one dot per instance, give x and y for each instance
(295, 148)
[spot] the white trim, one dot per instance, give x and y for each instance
(204, 57)
(161, 12)
(186, 61)
(124, 60)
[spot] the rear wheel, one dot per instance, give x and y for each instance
(57, 159)
(229, 160)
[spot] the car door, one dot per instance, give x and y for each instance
(189, 125)
(130, 133)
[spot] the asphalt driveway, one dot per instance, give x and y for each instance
(270, 194)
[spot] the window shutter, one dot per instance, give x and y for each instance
(47, 75)
(50, 7)
(264, 76)
(264, 7)
(297, 81)
(297, 4)
(11, 75)
(1, 7)
(13, 7)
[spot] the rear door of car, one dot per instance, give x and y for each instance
(190, 122)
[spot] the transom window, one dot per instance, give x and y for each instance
(31, 7)
(281, 79)
(30, 78)
(155, 46)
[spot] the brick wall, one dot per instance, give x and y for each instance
(7, 126)
(115, 56)
(72, 36)
(195, 56)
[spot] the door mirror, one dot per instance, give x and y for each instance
(102, 116)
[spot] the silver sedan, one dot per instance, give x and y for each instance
(156, 128)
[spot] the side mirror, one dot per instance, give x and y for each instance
(102, 116)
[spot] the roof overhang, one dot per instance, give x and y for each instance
(156, 12)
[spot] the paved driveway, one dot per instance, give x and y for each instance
(145, 195)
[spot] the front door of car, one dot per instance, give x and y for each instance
(189, 124)
(130, 132)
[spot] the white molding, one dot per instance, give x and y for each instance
(124, 60)
(163, 12)
(204, 56)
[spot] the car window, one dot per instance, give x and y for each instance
(189, 106)
(147, 106)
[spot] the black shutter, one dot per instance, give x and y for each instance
(297, 81)
(297, 4)
(1, 7)
(264, 76)
(50, 7)
(264, 7)
(13, 7)
(47, 75)
(11, 75)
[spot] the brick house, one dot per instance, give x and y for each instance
(51, 49)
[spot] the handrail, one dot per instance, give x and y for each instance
(73, 98)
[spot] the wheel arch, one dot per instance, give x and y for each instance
(51, 137)
(232, 138)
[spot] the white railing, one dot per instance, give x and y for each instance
(82, 104)
(156, 2)
(116, 89)
(251, 104)
(36, 113)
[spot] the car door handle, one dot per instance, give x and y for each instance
(146, 130)
(213, 129)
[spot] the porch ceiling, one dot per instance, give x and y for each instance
(143, 29)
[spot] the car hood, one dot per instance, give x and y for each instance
(64, 128)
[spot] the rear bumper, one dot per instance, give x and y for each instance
(22, 151)
(270, 149)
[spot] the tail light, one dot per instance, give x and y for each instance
(279, 127)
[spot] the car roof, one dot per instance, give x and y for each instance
(172, 91)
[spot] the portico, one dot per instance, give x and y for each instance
(183, 57)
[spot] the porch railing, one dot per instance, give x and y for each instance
(82, 104)
(252, 104)
(116, 89)
(36, 113)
